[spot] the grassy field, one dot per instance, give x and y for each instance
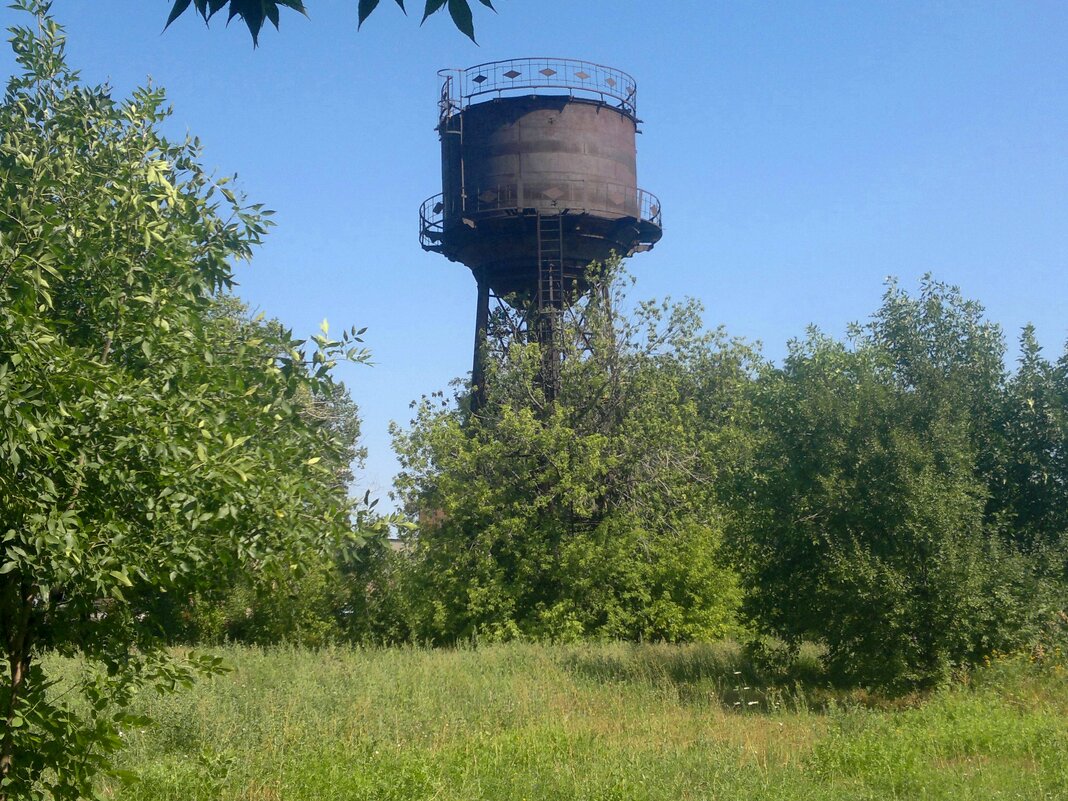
(588, 722)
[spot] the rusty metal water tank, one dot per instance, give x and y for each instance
(538, 174)
(538, 180)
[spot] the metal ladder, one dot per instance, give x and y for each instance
(549, 326)
(550, 262)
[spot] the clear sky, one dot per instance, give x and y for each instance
(803, 152)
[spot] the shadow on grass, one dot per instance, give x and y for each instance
(765, 678)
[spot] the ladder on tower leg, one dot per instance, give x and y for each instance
(550, 262)
(550, 299)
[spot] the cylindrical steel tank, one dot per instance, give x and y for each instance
(540, 152)
(538, 166)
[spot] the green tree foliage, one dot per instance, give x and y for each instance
(301, 600)
(865, 521)
(594, 515)
(1032, 492)
(255, 12)
(349, 594)
(150, 437)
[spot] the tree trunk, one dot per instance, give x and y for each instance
(17, 601)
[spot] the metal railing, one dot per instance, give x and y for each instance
(582, 78)
(575, 196)
(432, 221)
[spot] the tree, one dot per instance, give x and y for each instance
(1032, 493)
(255, 12)
(594, 514)
(864, 520)
(942, 350)
(301, 601)
(149, 437)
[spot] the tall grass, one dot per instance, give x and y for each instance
(626, 722)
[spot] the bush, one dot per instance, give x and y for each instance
(864, 522)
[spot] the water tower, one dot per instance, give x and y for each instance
(538, 179)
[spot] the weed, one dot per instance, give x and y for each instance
(611, 721)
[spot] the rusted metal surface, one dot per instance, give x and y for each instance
(507, 163)
(539, 179)
(538, 152)
(478, 376)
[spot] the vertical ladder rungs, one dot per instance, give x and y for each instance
(550, 240)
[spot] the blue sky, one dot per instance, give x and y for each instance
(803, 152)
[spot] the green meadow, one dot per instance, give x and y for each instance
(610, 722)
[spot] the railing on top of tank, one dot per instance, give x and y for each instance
(500, 77)
(576, 196)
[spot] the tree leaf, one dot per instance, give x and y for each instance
(364, 11)
(432, 6)
(460, 11)
(177, 10)
(252, 14)
(122, 577)
(125, 776)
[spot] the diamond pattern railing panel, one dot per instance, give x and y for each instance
(502, 78)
